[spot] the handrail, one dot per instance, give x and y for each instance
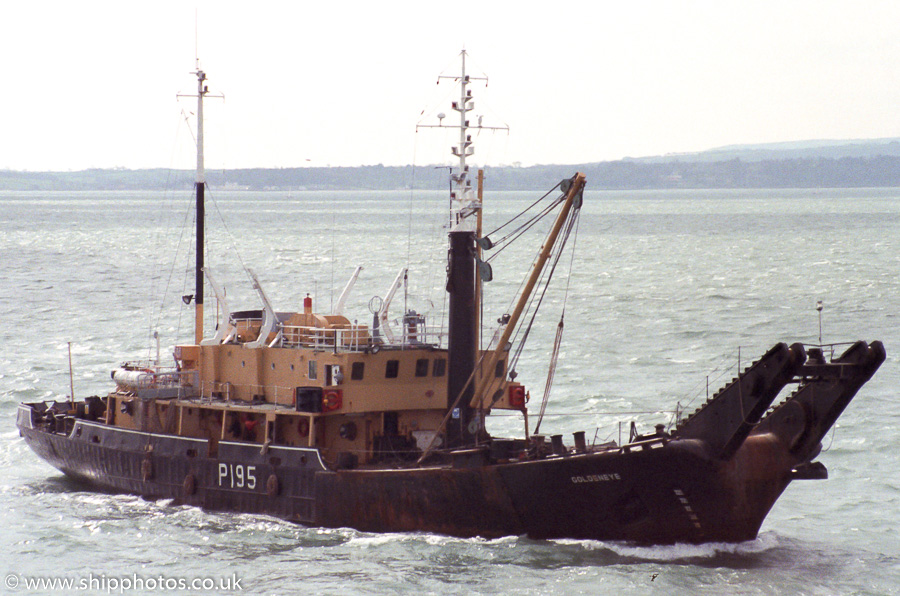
(355, 338)
(273, 392)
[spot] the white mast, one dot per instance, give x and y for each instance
(201, 91)
(464, 203)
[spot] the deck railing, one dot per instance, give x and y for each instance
(357, 338)
(275, 394)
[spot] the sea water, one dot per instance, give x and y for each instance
(667, 293)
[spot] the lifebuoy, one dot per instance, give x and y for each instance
(332, 399)
(303, 427)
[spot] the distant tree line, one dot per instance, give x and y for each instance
(820, 172)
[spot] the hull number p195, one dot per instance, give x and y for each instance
(237, 476)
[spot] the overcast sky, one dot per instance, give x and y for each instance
(94, 84)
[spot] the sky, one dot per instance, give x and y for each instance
(93, 84)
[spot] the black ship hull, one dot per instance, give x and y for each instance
(658, 495)
(714, 479)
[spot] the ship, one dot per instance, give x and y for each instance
(312, 418)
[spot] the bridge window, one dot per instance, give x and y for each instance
(392, 369)
(357, 371)
(422, 367)
(440, 367)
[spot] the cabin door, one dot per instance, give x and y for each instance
(333, 375)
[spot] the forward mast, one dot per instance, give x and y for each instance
(199, 187)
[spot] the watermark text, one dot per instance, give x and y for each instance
(122, 584)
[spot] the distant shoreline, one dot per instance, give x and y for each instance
(881, 171)
(831, 164)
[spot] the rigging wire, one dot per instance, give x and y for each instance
(332, 259)
(551, 372)
(535, 303)
(187, 273)
(160, 239)
(521, 213)
(525, 330)
(412, 192)
(522, 229)
(554, 258)
(169, 280)
(557, 342)
(523, 281)
(231, 236)
(432, 249)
